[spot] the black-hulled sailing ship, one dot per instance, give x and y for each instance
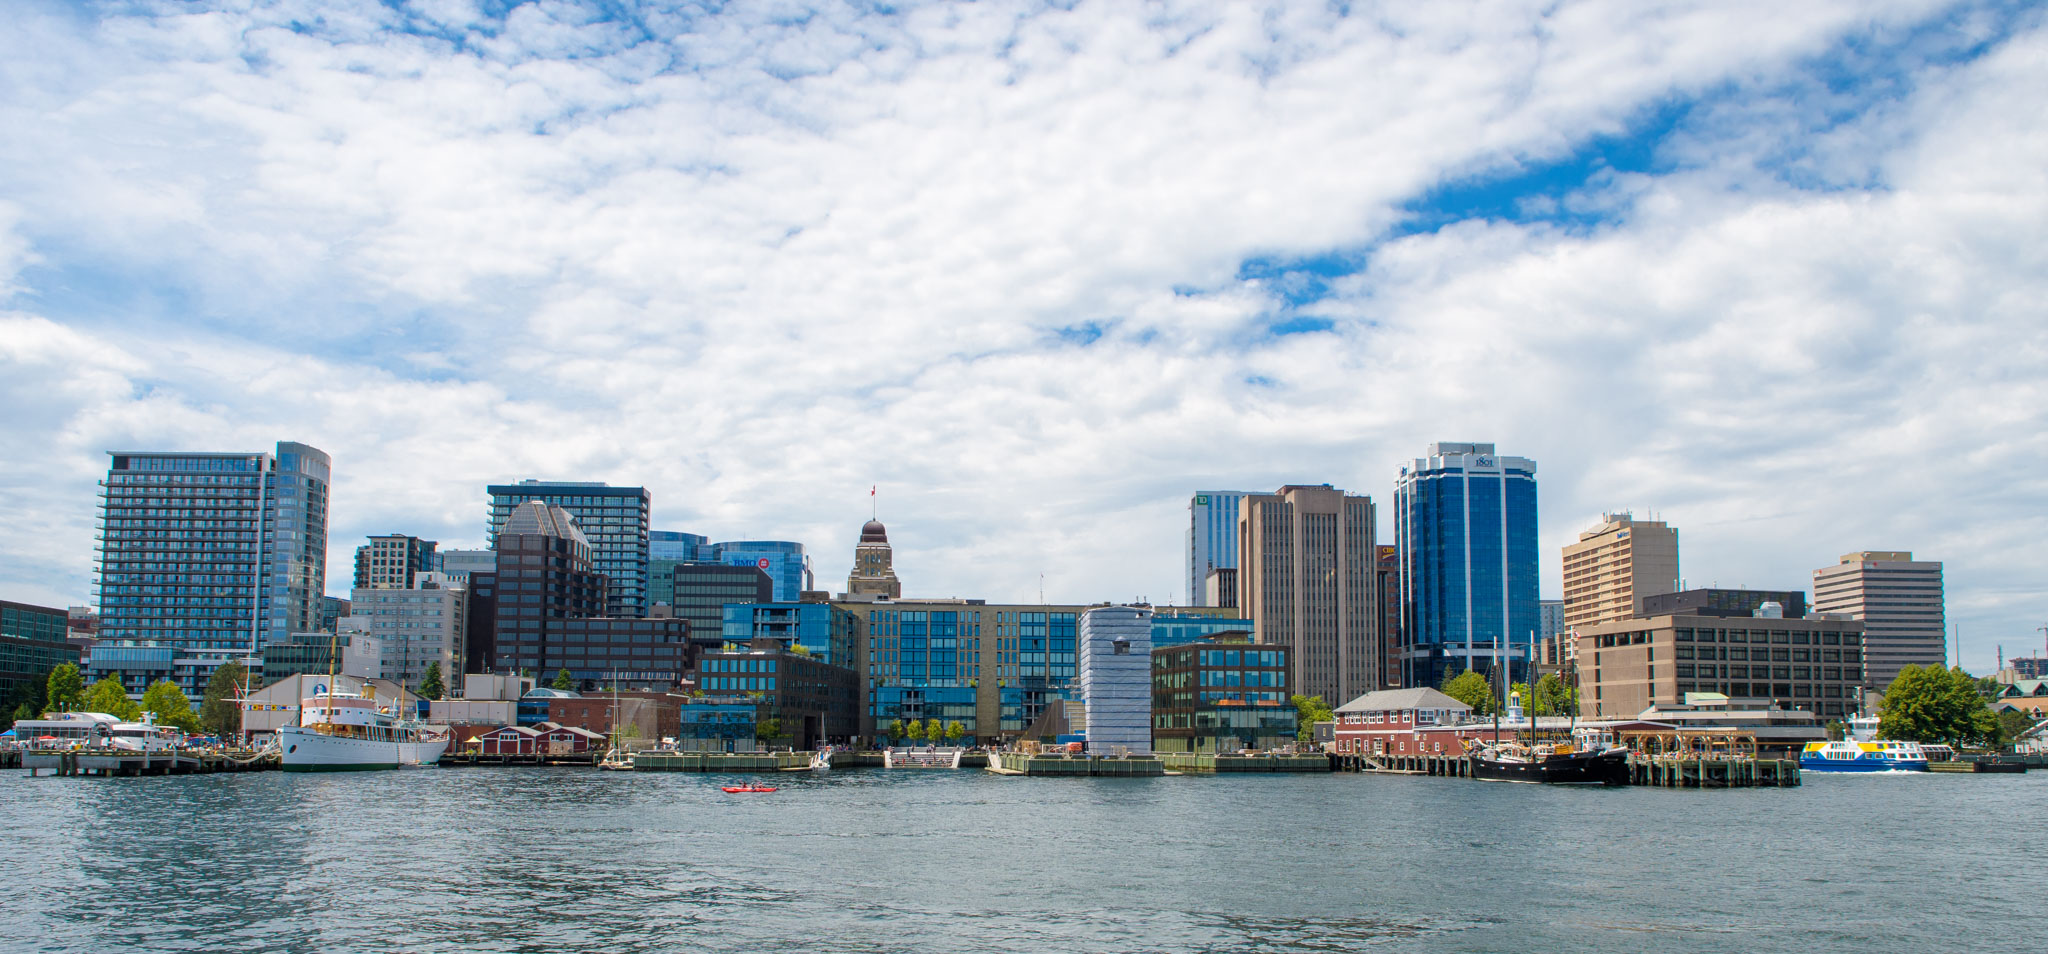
(1581, 760)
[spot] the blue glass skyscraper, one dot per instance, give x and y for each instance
(784, 562)
(205, 557)
(1212, 541)
(1465, 528)
(676, 546)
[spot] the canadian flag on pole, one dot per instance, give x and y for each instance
(871, 489)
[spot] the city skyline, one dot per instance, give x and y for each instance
(1039, 275)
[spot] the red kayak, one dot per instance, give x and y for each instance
(749, 788)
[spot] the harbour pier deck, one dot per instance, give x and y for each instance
(1674, 771)
(1661, 771)
(722, 762)
(1021, 763)
(122, 762)
(1209, 764)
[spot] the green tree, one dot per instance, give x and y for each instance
(2012, 724)
(1837, 730)
(1308, 711)
(168, 703)
(896, 729)
(914, 731)
(430, 684)
(1936, 704)
(955, 732)
(563, 682)
(934, 730)
(1471, 689)
(107, 696)
(219, 707)
(1554, 697)
(25, 703)
(768, 730)
(64, 691)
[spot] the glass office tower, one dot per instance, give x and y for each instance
(1212, 539)
(1465, 529)
(783, 560)
(205, 557)
(615, 520)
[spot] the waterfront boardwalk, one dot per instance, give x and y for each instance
(1205, 764)
(1660, 771)
(474, 759)
(1673, 771)
(1044, 765)
(722, 762)
(122, 762)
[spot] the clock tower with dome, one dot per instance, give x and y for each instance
(874, 572)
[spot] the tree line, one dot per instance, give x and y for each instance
(931, 730)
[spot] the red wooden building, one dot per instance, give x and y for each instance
(547, 738)
(1407, 722)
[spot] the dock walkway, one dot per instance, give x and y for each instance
(1654, 771)
(122, 762)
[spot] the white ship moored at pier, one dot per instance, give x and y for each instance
(345, 731)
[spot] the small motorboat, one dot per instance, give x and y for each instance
(736, 789)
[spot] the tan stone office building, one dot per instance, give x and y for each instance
(1306, 570)
(1613, 566)
(1810, 664)
(1899, 600)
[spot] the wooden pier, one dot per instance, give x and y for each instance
(1660, 771)
(1675, 771)
(1207, 763)
(122, 762)
(1452, 766)
(1045, 764)
(722, 762)
(473, 759)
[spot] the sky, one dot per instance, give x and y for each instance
(1037, 272)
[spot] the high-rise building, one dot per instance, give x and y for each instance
(1550, 614)
(549, 610)
(823, 631)
(203, 557)
(1212, 543)
(783, 560)
(992, 668)
(332, 610)
(1465, 526)
(1305, 571)
(1178, 626)
(1614, 565)
(32, 642)
(1386, 581)
(459, 564)
(676, 546)
(614, 519)
(416, 626)
(700, 592)
(1899, 600)
(392, 562)
(874, 565)
(1115, 667)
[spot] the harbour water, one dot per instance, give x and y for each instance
(543, 860)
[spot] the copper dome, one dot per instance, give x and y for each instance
(872, 532)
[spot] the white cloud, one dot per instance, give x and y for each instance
(758, 261)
